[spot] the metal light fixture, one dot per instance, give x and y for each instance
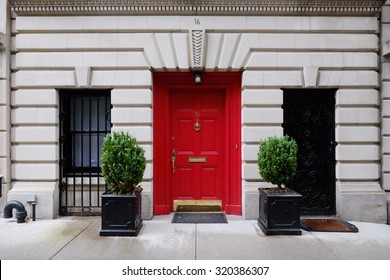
(198, 79)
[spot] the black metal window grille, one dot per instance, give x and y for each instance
(85, 119)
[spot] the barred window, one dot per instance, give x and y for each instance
(85, 116)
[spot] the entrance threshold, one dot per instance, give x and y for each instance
(205, 203)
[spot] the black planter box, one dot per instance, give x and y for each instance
(279, 211)
(121, 214)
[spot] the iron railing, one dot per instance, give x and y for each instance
(85, 119)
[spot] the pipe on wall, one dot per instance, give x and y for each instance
(21, 213)
(1, 185)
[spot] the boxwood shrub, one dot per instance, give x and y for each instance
(123, 163)
(277, 159)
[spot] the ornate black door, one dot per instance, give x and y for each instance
(309, 118)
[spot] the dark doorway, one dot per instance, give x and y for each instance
(309, 118)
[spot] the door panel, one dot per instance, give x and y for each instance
(199, 162)
(309, 117)
(208, 181)
(184, 174)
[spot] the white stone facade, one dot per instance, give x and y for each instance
(5, 152)
(48, 52)
(385, 79)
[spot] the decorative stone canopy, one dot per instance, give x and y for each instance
(197, 7)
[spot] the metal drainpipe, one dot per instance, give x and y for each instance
(21, 213)
(33, 211)
(32, 198)
(1, 185)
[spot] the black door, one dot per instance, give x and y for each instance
(309, 118)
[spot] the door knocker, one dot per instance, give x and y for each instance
(197, 125)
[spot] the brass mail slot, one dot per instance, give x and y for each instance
(197, 159)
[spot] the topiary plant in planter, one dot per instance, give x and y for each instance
(278, 207)
(277, 160)
(123, 166)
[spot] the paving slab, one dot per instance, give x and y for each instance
(372, 242)
(77, 238)
(244, 240)
(38, 240)
(158, 239)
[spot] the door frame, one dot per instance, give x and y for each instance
(163, 83)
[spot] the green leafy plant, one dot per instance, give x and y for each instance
(123, 163)
(277, 159)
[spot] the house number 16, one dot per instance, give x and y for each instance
(197, 21)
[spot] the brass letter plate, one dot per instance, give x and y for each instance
(197, 159)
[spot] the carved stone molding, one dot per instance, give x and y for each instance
(83, 77)
(310, 76)
(197, 7)
(198, 43)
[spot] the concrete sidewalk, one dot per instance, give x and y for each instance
(77, 238)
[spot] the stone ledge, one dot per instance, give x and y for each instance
(362, 207)
(250, 201)
(147, 206)
(46, 206)
(364, 202)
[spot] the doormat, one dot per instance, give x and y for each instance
(199, 218)
(198, 208)
(328, 225)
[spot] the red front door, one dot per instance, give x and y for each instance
(200, 126)
(197, 144)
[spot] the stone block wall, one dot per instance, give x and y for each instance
(344, 59)
(272, 52)
(385, 83)
(4, 101)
